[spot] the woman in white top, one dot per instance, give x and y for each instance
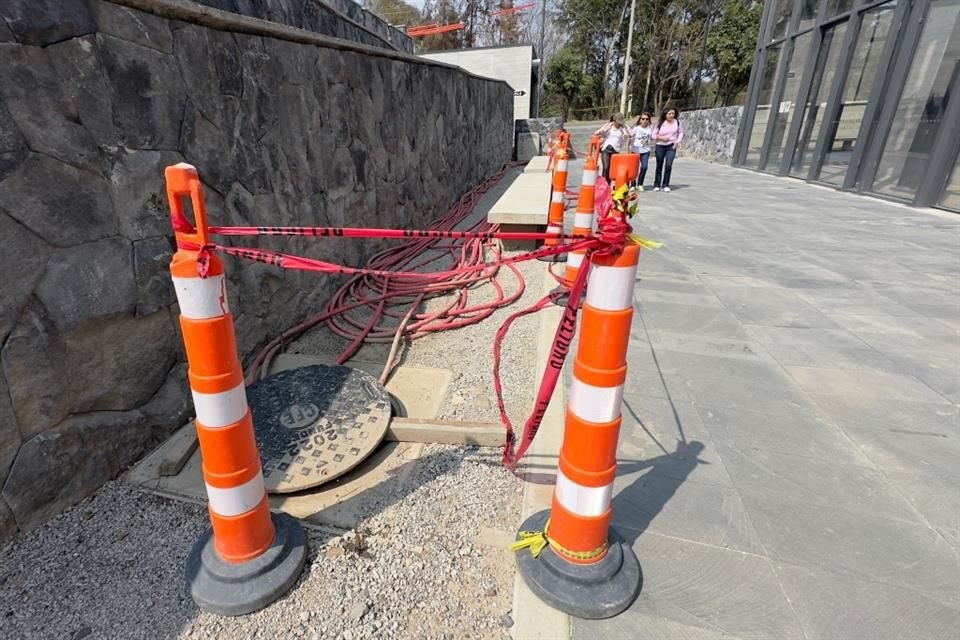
(614, 134)
(640, 144)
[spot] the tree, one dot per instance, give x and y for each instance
(731, 45)
(395, 12)
(595, 28)
(565, 76)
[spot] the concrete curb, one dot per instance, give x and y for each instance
(533, 619)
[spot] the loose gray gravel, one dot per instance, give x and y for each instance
(431, 564)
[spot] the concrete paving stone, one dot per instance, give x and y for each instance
(802, 434)
(656, 500)
(692, 319)
(775, 308)
(786, 477)
(683, 283)
(890, 414)
(935, 497)
(908, 451)
(864, 383)
(841, 607)
(650, 297)
(857, 544)
(653, 430)
(912, 329)
(697, 592)
(696, 344)
(834, 348)
(936, 365)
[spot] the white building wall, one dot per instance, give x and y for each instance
(512, 64)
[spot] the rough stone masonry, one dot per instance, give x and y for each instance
(286, 127)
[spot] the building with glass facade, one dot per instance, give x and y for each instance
(859, 95)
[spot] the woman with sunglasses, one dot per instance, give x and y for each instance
(642, 133)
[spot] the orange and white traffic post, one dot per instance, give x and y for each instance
(558, 200)
(576, 562)
(249, 557)
(583, 221)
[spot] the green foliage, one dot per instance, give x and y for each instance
(565, 76)
(731, 45)
(395, 12)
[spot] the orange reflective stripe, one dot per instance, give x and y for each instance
(590, 450)
(578, 533)
(240, 538)
(608, 334)
(231, 456)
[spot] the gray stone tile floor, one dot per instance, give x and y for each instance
(790, 450)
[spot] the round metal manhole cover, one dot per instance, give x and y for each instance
(313, 424)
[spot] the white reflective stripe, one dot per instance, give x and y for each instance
(238, 500)
(594, 404)
(552, 228)
(218, 410)
(574, 259)
(589, 178)
(201, 298)
(583, 501)
(611, 288)
(562, 165)
(556, 196)
(583, 220)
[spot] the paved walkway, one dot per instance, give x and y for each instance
(791, 437)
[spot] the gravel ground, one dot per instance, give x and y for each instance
(430, 565)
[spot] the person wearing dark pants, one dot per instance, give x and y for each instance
(640, 144)
(667, 135)
(614, 133)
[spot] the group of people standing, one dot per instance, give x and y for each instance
(663, 138)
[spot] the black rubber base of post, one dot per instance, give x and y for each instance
(558, 257)
(237, 589)
(561, 294)
(590, 591)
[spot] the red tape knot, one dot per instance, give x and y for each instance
(203, 259)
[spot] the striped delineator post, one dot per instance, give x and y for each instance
(583, 220)
(249, 557)
(558, 203)
(586, 569)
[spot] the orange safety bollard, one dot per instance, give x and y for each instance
(583, 222)
(249, 557)
(569, 556)
(558, 202)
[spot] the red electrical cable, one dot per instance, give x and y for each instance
(379, 308)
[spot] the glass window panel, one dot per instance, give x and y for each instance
(827, 57)
(951, 194)
(782, 20)
(906, 154)
(762, 115)
(836, 7)
(844, 130)
(788, 103)
(808, 13)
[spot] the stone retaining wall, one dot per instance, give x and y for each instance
(286, 127)
(338, 18)
(710, 134)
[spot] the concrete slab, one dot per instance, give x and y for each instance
(833, 606)
(526, 201)
(536, 164)
(700, 592)
(857, 544)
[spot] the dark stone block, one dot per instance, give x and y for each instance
(43, 22)
(138, 193)
(42, 110)
(151, 261)
(84, 83)
(148, 96)
(78, 210)
(8, 524)
(88, 281)
(60, 467)
(134, 26)
(9, 434)
(25, 255)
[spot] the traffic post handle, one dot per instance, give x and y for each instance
(244, 535)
